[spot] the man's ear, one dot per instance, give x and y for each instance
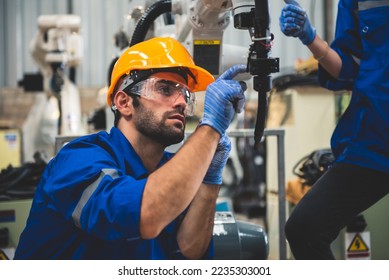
(123, 103)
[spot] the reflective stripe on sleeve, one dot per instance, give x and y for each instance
(76, 215)
(366, 5)
(357, 60)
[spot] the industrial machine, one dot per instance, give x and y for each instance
(57, 50)
(238, 240)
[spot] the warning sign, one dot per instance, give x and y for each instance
(3, 256)
(7, 253)
(358, 245)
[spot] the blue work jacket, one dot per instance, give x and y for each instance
(87, 205)
(361, 136)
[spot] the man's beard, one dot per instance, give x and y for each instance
(147, 123)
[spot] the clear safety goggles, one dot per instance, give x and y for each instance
(165, 91)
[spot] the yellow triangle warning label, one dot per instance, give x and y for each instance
(3, 256)
(357, 244)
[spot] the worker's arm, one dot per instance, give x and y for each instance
(195, 231)
(171, 188)
(327, 57)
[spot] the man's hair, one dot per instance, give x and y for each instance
(117, 115)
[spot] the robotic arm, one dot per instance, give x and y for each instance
(57, 45)
(256, 19)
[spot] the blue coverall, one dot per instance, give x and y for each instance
(87, 205)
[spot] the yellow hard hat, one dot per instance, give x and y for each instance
(159, 53)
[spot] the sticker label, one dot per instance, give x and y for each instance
(358, 245)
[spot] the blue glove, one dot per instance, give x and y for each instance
(223, 98)
(294, 21)
(215, 170)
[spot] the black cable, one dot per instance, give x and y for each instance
(144, 23)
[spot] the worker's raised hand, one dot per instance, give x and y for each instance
(215, 170)
(223, 98)
(294, 21)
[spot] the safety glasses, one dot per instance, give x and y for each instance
(165, 91)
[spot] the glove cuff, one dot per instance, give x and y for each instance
(309, 37)
(208, 123)
(214, 178)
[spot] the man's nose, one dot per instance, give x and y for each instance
(180, 99)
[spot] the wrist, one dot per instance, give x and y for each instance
(212, 126)
(213, 177)
(323, 52)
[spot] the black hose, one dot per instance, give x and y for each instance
(260, 122)
(262, 79)
(144, 23)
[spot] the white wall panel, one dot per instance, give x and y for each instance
(29, 29)
(101, 19)
(13, 60)
(2, 40)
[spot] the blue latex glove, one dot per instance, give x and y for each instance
(215, 170)
(223, 98)
(294, 21)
